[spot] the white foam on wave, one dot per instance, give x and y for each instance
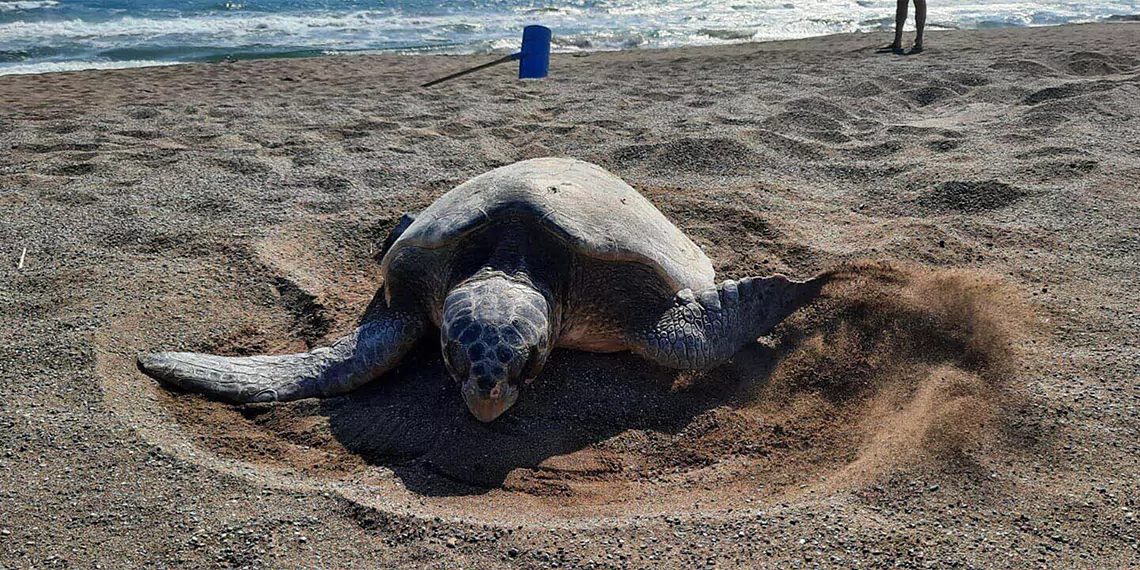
(672, 21)
(13, 5)
(58, 66)
(612, 25)
(239, 27)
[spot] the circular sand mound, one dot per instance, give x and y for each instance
(892, 366)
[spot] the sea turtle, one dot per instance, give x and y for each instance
(537, 254)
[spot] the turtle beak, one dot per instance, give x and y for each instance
(486, 405)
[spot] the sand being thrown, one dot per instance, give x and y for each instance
(918, 362)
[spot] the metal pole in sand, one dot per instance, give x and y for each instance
(511, 57)
(534, 57)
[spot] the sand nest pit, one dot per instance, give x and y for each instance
(893, 366)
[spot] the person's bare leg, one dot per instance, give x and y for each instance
(919, 23)
(900, 22)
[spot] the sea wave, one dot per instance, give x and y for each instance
(728, 34)
(234, 26)
(670, 20)
(12, 6)
(166, 30)
(57, 66)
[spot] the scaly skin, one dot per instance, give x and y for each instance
(497, 330)
(702, 331)
(350, 362)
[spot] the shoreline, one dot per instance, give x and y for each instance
(301, 52)
(328, 76)
(409, 71)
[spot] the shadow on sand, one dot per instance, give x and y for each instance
(915, 50)
(416, 424)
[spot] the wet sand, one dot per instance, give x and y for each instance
(967, 399)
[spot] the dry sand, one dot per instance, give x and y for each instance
(968, 400)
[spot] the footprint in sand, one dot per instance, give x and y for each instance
(245, 166)
(1091, 63)
(874, 151)
(140, 134)
(803, 120)
(65, 127)
(796, 148)
(971, 196)
(141, 112)
(705, 155)
(925, 96)
(1050, 170)
(68, 169)
(1026, 67)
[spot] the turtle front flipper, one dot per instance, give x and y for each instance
(352, 361)
(703, 330)
(394, 234)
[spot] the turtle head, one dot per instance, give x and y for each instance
(496, 333)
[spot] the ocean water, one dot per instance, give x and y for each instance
(39, 36)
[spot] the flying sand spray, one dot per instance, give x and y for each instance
(534, 57)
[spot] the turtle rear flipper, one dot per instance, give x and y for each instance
(703, 330)
(353, 360)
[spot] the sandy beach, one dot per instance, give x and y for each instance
(968, 399)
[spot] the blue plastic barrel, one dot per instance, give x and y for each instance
(534, 57)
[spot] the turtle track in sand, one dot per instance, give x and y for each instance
(895, 366)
